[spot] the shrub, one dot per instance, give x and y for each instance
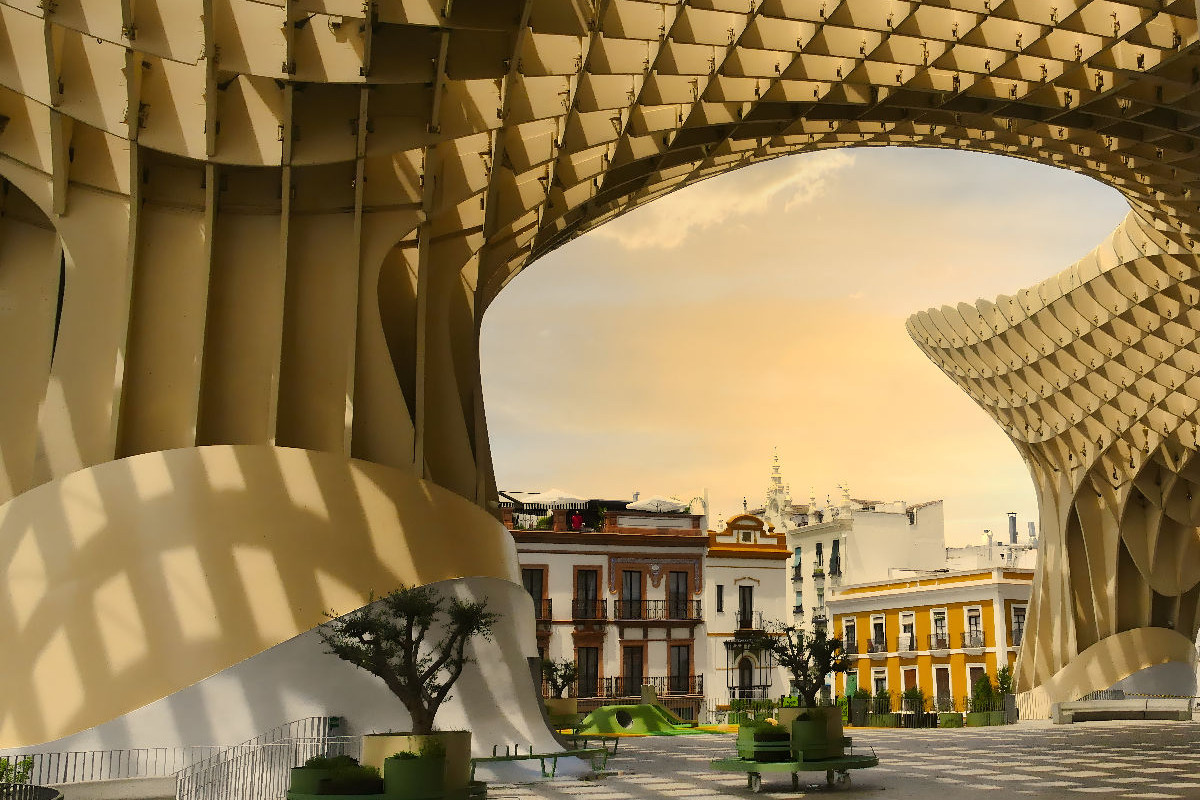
(560, 675)
(914, 699)
(331, 762)
(433, 748)
(405, 755)
(16, 771)
(1004, 680)
(355, 779)
(983, 696)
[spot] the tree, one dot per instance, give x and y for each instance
(559, 674)
(809, 657)
(389, 640)
(982, 694)
(1004, 680)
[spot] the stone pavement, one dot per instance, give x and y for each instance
(1143, 760)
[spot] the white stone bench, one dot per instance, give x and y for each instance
(121, 789)
(1168, 708)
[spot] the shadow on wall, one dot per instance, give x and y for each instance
(494, 698)
(134, 579)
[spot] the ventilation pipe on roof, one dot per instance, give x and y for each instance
(1012, 527)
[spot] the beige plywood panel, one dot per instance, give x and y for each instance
(318, 338)
(245, 311)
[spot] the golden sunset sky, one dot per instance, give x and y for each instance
(673, 349)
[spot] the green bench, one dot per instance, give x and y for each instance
(597, 755)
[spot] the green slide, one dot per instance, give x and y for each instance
(650, 720)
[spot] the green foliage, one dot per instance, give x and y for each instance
(544, 523)
(1004, 680)
(843, 705)
(559, 674)
(809, 657)
(883, 694)
(788, 701)
(389, 640)
(356, 779)
(757, 707)
(914, 699)
(983, 695)
(861, 694)
(331, 762)
(433, 748)
(16, 771)
(405, 755)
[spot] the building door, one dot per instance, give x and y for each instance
(532, 579)
(586, 606)
(745, 606)
(677, 595)
(910, 678)
(974, 673)
(631, 594)
(941, 682)
(633, 675)
(589, 671)
(851, 683)
(745, 678)
(680, 669)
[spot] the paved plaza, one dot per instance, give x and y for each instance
(1146, 760)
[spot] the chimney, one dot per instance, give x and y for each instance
(1012, 527)
(1032, 531)
(635, 496)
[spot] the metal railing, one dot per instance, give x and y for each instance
(544, 609)
(259, 771)
(877, 644)
(906, 643)
(850, 645)
(102, 765)
(663, 685)
(1017, 634)
(798, 610)
(674, 608)
(973, 639)
(589, 609)
(798, 573)
(749, 620)
(939, 641)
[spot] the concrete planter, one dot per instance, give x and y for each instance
(377, 747)
(950, 719)
(561, 706)
(308, 780)
(997, 718)
(414, 778)
(882, 721)
(978, 719)
(817, 733)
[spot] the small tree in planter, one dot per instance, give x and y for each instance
(560, 675)
(983, 701)
(809, 658)
(392, 640)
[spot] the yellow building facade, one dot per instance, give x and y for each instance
(936, 632)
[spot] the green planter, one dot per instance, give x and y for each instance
(737, 718)
(950, 719)
(882, 721)
(979, 719)
(308, 780)
(997, 718)
(817, 733)
(414, 778)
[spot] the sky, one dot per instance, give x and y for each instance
(673, 350)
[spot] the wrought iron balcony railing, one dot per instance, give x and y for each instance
(939, 640)
(749, 620)
(671, 609)
(877, 644)
(544, 609)
(973, 639)
(664, 685)
(589, 609)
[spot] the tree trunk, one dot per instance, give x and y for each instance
(422, 719)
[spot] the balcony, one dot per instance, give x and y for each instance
(973, 640)
(877, 647)
(939, 641)
(850, 645)
(818, 615)
(664, 685)
(749, 620)
(798, 573)
(798, 610)
(906, 644)
(835, 567)
(589, 609)
(818, 574)
(544, 610)
(673, 609)
(1018, 633)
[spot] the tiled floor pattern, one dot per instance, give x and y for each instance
(1134, 760)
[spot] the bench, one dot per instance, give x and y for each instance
(597, 755)
(1167, 708)
(580, 740)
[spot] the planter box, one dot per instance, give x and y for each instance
(379, 746)
(817, 733)
(882, 720)
(978, 719)
(997, 718)
(308, 780)
(414, 778)
(561, 706)
(950, 719)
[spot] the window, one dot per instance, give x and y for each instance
(746, 678)
(588, 662)
(879, 680)
(677, 595)
(907, 630)
(835, 558)
(796, 552)
(720, 598)
(820, 555)
(820, 598)
(974, 635)
(586, 604)
(745, 606)
(631, 595)
(799, 599)
(1018, 630)
(940, 640)
(849, 638)
(532, 578)
(632, 673)
(680, 669)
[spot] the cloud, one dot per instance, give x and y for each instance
(667, 222)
